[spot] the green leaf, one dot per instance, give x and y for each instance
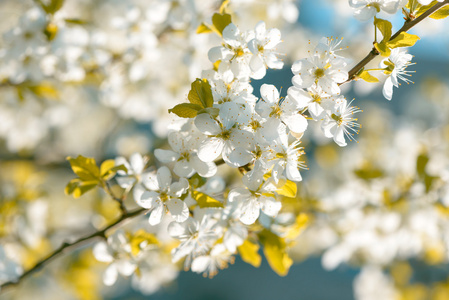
(213, 111)
(203, 28)
(404, 39)
(275, 250)
(384, 27)
(223, 6)
(186, 110)
(220, 21)
(196, 181)
(383, 49)
(85, 168)
(44, 90)
(78, 187)
(54, 6)
(421, 163)
(289, 189)
(75, 21)
(108, 169)
(441, 13)
(420, 9)
(365, 75)
(249, 252)
(142, 238)
(301, 222)
(205, 200)
(201, 93)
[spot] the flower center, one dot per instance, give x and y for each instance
(316, 98)
(225, 134)
(375, 5)
(276, 111)
(319, 73)
(254, 125)
(337, 119)
(163, 196)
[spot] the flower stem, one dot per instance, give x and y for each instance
(71, 246)
(406, 27)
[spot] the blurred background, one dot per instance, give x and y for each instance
(96, 78)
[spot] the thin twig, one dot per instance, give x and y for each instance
(70, 246)
(406, 27)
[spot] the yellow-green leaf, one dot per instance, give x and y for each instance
(186, 110)
(203, 28)
(275, 250)
(213, 111)
(289, 189)
(368, 77)
(201, 93)
(249, 252)
(404, 39)
(223, 6)
(220, 21)
(383, 49)
(44, 90)
(205, 200)
(420, 9)
(384, 27)
(140, 239)
(300, 224)
(85, 168)
(441, 13)
(108, 169)
(78, 187)
(54, 6)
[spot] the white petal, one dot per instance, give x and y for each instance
(231, 35)
(207, 125)
(166, 156)
(270, 206)
(156, 214)
(292, 172)
(179, 188)
(163, 177)
(137, 163)
(295, 122)
(388, 89)
(250, 211)
(125, 267)
(269, 93)
(110, 275)
(200, 264)
(178, 209)
(183, 168)
(147, 199)
(229, 113)
(239, 157)
(339, 136)
(102, 253)
(210, 149)
(204, 169)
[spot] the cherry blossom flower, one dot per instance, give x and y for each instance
(164, 195)
(395, 66)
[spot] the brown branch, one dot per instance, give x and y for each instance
(406, 27)
(70, 246)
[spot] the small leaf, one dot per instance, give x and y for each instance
(223, 6)
(289, 189)
(186, 110)
(54, 6)
(423, 8)
(85, 168)
(367, 77)
(141, 239)
(196, 181)
(441, 13)
(44, 90)
(203, 28)
(275, 250)
(404, 39)
(213, 111)
(383, 49)
(301, 222)
(220, 22)
(384, 27)
(201, 93)
(421, 163)
(75, 21)
(249, 252)
(205, 200)
(78, 187)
